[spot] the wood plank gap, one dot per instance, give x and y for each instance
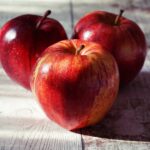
(82, 140)
(71, 14)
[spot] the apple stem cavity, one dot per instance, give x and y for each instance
(47, 13)
(79, 50)
(118, 17)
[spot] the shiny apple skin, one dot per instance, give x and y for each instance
(21, 44)
(75, 90)
(125, 41)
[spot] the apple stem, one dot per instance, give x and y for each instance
(118, 17)
(80, 48)
(47, 13)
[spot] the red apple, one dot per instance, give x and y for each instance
(75, 82)
(23, 39)
(118, 35)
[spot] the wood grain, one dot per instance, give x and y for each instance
(95, 143)
(23, 125)
(127, 126)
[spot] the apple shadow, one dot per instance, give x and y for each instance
(129, 118)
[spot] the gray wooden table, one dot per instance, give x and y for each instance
(24, 126)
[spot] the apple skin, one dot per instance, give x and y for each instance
(125, 40)
(21, 44)
(75, 90)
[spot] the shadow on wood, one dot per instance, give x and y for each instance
(129, 119)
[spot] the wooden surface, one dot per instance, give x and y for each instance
(23, 125)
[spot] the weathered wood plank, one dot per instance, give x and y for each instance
(95, 143)
(127, 125)
(60, 10)
(23, 125)
(128, 120)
